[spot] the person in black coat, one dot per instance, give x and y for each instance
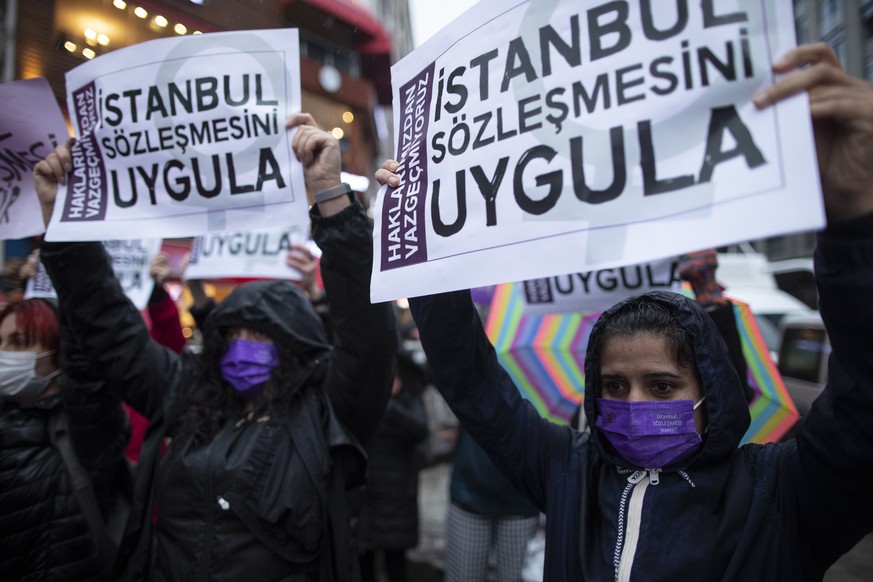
(265, 427)
(47, 535)
(388, 522)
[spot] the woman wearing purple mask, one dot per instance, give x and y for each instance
(264, 428)
(660, 489)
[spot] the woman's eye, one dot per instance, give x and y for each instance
(613, 387)
(662, 389)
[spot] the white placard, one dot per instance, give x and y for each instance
(256, 254)
(40, 285)
(131, 261)
(184, 136)
(31, 126)
(538, 138)
(597, 290)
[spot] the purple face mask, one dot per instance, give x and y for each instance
(247, 364)
(650, 435)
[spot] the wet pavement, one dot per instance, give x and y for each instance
(426, 560)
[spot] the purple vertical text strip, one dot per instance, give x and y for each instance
(86, 184)
(404, 240)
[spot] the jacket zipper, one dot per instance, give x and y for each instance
(628, 537)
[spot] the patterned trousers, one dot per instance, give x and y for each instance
(471, 538)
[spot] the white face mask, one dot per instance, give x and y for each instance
(18, 379)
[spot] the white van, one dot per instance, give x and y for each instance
(803, 358)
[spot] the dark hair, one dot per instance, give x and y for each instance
(213, 401)
(643, 315)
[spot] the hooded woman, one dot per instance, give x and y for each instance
(660, 489)
(265, 427)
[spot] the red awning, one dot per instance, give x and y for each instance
(355, 16)
(364, 31)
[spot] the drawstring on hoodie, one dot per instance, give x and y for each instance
(684, 475)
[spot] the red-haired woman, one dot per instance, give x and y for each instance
(46, 533)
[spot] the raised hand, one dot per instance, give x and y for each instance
(48, 174)
(842, 114)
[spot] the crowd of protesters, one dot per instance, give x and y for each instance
(286, 447)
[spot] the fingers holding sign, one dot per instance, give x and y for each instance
(386, 174)
(842, 114)
(48, 174)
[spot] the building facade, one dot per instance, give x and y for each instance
(847, 26)
(345, 57)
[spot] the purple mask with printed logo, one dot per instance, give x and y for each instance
(247, 364)
(650, 434)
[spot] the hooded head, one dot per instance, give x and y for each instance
(277, 309)
(696, 345)
(280, 311)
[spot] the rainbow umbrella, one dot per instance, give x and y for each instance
(772, 410)
(543, 354)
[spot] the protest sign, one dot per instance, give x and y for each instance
(184, 136)
(40, 285)
(256, 254)
(546, 137)
(597, 290)
(31, 126)
(131, 261)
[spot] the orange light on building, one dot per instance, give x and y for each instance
(161, 21)
(88, 53)
(348, 116)
(70, 46)
(102, 39)
(120, 4)
(180, 28)
(141, 12)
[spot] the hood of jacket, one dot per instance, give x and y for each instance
(278, 309)
(726, 408)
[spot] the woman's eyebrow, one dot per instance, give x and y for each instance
(664, 374)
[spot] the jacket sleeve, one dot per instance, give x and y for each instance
(528, 449)
(364, 335)
(98, 425)
(833, 468)
(111, 333)
(166, 326)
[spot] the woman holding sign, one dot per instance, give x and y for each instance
(660, 489)
(264, 428)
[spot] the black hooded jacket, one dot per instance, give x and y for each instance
(263, 498)
(45, 536)
(782, 511)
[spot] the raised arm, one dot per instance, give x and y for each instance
(833, 467)
(480, 393)
(110, 331)
(166, 325)
(365, 336)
